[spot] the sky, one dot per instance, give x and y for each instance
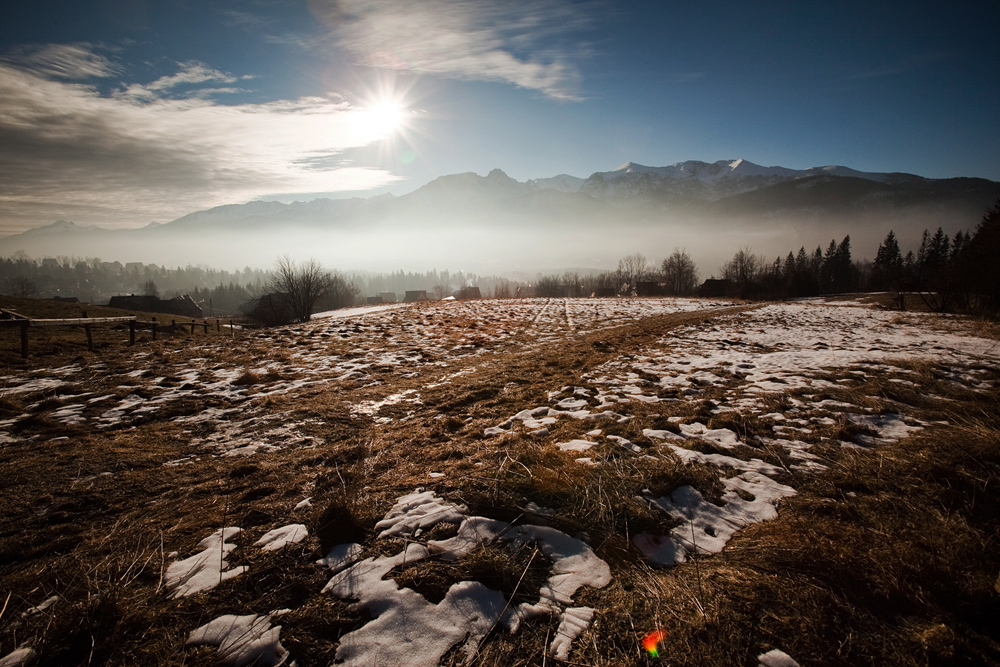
(119, 113)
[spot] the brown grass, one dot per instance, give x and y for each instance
(67, 344)
(889, 558)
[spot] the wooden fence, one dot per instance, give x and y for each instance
(12, 319)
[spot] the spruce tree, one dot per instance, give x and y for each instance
(979, 263)
(887, 270)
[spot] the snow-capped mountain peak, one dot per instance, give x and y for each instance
(561, 183)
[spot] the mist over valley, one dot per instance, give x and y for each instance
(495, 224)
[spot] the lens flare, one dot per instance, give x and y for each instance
(652, 642)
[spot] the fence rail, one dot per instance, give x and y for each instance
(10, 319)
(74, 321)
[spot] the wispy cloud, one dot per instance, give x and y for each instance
(464, 39)
(70, 151)
(191, 74)
(64, 61)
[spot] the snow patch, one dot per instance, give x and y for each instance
(407, 629)
(280, 537)
(206, 570)
(21, 657)
(575, 445)
(776, 658)
(574, 621)
(242, 640)
(706, 527)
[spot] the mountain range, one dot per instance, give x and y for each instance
(496, 222)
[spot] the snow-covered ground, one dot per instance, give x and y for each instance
(385, 343)
(778, 365)
(746, 360)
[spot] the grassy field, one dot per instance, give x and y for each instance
(562, 435)
(62, 344)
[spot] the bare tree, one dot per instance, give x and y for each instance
(441, 290)
(301, 285)
(680, 273)
(269, 310)
(743, 269)
(342, 293)
(631, 270)
(571, 281)
(549, 286)
(20, 286)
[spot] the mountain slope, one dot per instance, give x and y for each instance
(692, 181)
(467, 219)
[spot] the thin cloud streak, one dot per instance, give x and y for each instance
(193, 73)
(65, 61)
(464, 39)
(118, 161)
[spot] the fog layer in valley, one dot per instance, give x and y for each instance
(492, 224)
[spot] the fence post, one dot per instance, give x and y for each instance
(154, 328)
(131, 333)
(90, 335)
(24, 339)
(192, 327)
(206, 326)
(218, 327)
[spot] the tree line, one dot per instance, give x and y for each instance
(959, 273)
(950, 274)
(92, 280)
(676, 275)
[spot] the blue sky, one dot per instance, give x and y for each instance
(122, 112)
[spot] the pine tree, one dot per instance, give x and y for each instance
(789, 272)
(979, 262)
(887, 271)
(843, 267)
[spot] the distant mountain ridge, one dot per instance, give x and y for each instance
(712, 181)
(686, 200)
(680, 183)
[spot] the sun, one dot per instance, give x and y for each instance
(387, 116)
(389, 113)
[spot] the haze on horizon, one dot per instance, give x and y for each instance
(124, 112)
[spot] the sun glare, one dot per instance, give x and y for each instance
(387, 116)
(388, 113)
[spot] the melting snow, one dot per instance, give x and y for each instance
(407, 629)
(280, 537)
(776, 658)
(21, 657)
(574, 621)
(890, 427)
(706, 527)
(341, 556)
(206, 570)
(575, 445)
(242, 640)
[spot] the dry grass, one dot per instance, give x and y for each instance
(889, 558)
(68, 344)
